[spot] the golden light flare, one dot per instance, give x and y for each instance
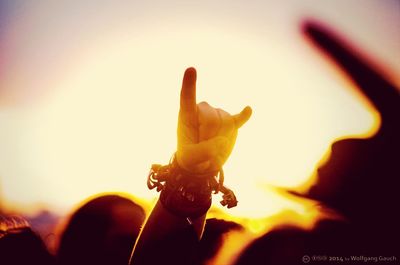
(303, 214)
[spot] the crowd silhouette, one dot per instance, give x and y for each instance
(102, 231)
(359, 180)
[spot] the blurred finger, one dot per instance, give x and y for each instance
(381, 92)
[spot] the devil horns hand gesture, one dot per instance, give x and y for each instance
(206, 135)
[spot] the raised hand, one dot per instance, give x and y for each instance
(206, 135)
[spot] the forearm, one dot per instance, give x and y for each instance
(206, 137)
(167, 237)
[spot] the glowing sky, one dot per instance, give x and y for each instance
(89, 91)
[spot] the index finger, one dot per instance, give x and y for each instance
(188, 93)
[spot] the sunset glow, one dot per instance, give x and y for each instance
(95, 118)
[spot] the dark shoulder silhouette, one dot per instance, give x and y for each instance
(359, 180)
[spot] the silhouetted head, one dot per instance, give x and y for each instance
(102, 231)
(213, 237)
(19, 245)
(293, 245)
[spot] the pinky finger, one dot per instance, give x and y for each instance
(242, 117)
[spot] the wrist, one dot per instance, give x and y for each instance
(187, 194)
(202, 168)
(187, 199)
